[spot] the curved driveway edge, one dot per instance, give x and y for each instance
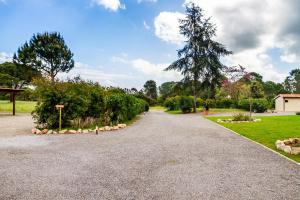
(161, 156)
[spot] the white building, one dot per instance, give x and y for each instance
(287, 103)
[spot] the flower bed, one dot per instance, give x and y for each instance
(235, 121)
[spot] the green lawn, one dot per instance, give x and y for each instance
(21, 106)
(268, 130)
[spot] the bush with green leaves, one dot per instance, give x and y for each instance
(82, 101)
(258, 105)
(172, 103)
(185, 104)
(200, 103)
(224, 103)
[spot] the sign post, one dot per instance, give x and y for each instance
(59, 107)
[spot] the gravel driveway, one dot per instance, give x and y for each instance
(161, 156)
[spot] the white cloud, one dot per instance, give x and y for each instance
(146, 25)
(167, 27)
(112, 5)
(150, 70)
(5, 57)
(251, 29)
(88, 72)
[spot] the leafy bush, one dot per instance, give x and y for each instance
(209, 103)
(258, 105)
(82, 102)
(297, 113)
(200, 103)
(172, 103)
(185, 104)
(241, 117)
(224, 103)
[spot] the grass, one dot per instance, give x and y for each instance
(157, 108)
(21, 106)
(268, 130)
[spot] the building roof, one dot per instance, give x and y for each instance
(288, 96)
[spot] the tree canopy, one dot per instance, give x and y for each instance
(150, 89)
(199, 60)
(16, 76)
(47, 53)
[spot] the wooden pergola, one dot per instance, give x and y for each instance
(13, 93)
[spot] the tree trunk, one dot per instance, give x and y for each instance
(195, 98)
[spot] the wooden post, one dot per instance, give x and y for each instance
(59, 107)
(14, 103)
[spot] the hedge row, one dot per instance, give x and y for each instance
(84, 100)
(258, 105)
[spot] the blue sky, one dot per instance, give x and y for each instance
(126, 42)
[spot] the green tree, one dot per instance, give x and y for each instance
(150, 89)
(256, 90)
(16, 76)
(199, 60)
(167, 89)
(292, 82)
(46, 53)
(272, 89)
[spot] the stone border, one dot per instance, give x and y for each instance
(287, 146)
(79, 131)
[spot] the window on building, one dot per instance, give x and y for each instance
(286, 101)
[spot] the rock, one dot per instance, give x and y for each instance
(107, 128)
(85, 131)
(38, 132)
(54, 132)
(101, 129)
(79, 130)
(295, 150)
(71, 132)
(33, 131)
(287, 149)
(62, 132)
(44, 131)
(116, 128)
(122, 125)
(50, 132)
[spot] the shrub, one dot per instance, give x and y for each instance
(185, 104)
(258, 105)
(297, 113)
(241, 117)
(172, 103)
(209, 103)
(224, 103)
(83, 102)
(200, 103)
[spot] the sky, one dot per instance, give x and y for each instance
(127, 42)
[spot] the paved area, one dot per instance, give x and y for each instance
(161, 156)
(11, 126)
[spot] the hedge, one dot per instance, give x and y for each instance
(84, 100)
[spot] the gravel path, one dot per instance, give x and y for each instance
(161, 156)
(20, 124)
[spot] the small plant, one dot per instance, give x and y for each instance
(241, 117)
(88, 122)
